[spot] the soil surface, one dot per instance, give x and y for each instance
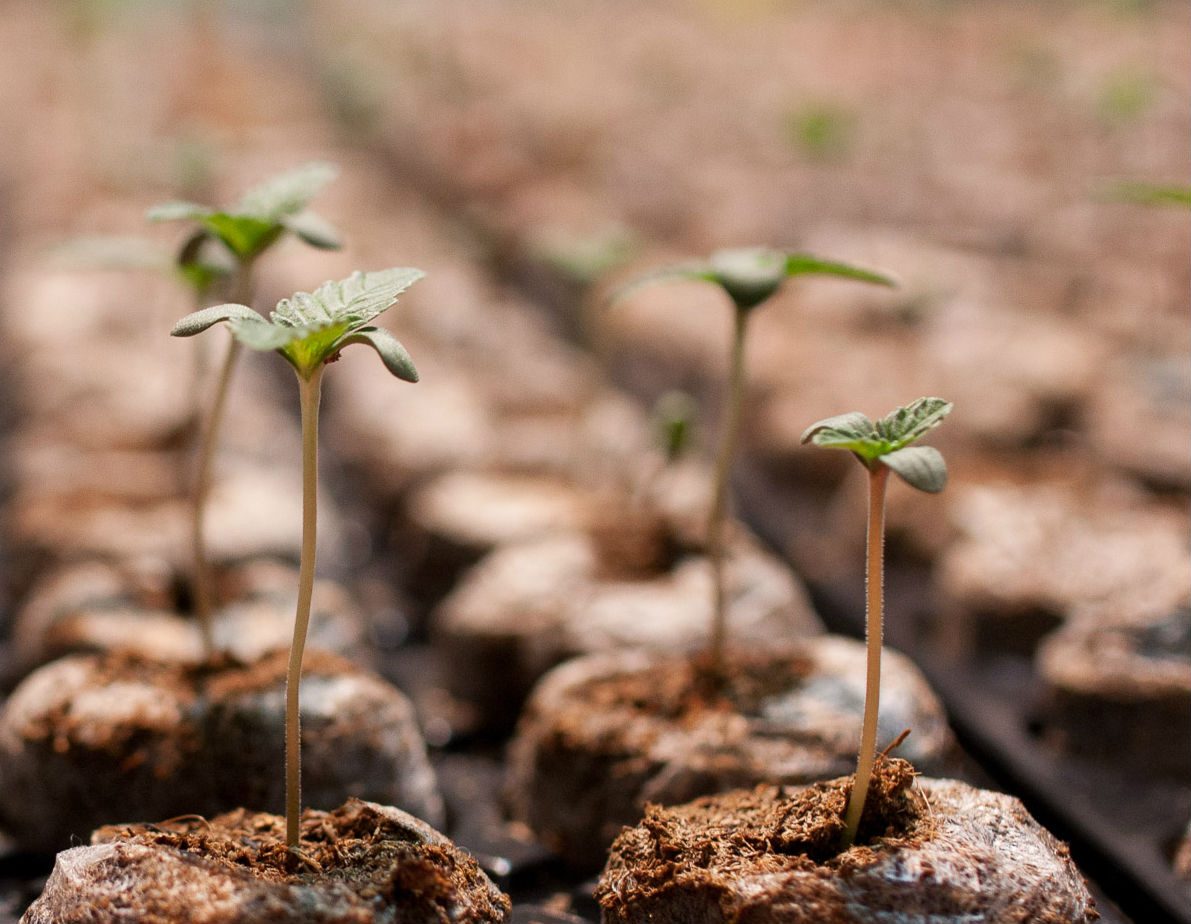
(604, 735)
(774, 854)
(359, 863)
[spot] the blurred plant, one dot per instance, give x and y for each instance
(1124, 97)
(310, 331)
(749, 276)
(822, 132)
(263, 215)
(881, 447)
(1153, 194)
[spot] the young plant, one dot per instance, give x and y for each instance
(882, 446)
(309, 331)
(263, 215)
(750, 277)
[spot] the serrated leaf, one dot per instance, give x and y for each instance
(395, 357)
(355, 301)
(259, 334)
(906, 424)
(799, 264)
(177, 211)
(314, 230)
(198, 321)
(920, 467)
(286, 193)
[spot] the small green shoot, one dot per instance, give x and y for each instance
(881, 446)
(1153, 194)
(749, 276)
(264, 214)
(309, 330)
(822, 132)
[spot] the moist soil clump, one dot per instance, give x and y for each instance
(89, 740)
(359, 863)
(936, 850)
(605, 734)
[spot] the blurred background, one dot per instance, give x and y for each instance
(533, 155)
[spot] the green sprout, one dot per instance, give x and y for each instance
(309, 330)
(750, 277)
(264, 214)
(1153, 194)
(881, 446)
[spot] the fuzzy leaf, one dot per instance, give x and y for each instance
(852, 431)
(314, 230)
(395, 357)
(799, 264)
(199, 321)
(259, 334)
(244, 235)
(177, 211)
(354, 301)
(906, 424)
(920, 467)
(287, 193)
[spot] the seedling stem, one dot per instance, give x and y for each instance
(206, 462)
(310, 391)
(719, 502)
(874, 607)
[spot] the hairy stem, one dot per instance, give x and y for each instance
(310, 390)
(201, 589)
(719, 500)
(873, 631)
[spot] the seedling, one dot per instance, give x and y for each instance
(750, 277)
(263, 215)
(309, 331)
(1154, 194)
(881, 447)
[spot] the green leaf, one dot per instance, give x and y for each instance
(920, 467)
(356, 300)
(177, 211)
(906, 424)
(395, 357)
(314, 230)
(199, 321)
(800, 264)
(852, 431)
(750, 275)
(247, 237)
(202, 261)
(287, 193)
(310, 328)
(1153, 194)
(676, 271)
(888, 438)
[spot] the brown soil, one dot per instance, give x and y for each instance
(359, 863)
(684, 689)
(763, 830)
(945, 853)
(633, 543)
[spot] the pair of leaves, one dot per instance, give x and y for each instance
(309, 329)
(887, 441)
(752, 275)
(264, 213)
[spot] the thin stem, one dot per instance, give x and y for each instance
(873, 631)
(201, 589)
(719, 500)
(310, 390)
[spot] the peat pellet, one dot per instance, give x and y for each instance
(528, 606)
(362, 862)
(96, 739)
(603, 735)
(928, 850)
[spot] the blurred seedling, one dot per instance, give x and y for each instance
(822, 132)
(881, 446)
(1153, 194)
(247, 230)
(673, 430)
(750, 277)
(310, 330)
